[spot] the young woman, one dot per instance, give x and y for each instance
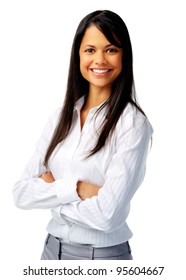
(92, 154)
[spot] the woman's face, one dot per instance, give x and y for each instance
(100, 61)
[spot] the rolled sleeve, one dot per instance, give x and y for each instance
(66, 190)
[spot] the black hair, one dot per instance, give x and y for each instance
(122, 92)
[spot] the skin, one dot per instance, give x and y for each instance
(100, 65)
(97, 54)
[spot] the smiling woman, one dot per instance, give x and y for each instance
(100, 65)
(100, 61)
(91, 157)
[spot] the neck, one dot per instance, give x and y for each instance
(96, 97)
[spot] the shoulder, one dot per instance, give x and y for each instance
(132, 119)
(54, 116)
(51, 123)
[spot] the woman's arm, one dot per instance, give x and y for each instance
(109, 208)
(31, 192)
(84, 189)
(47, 177)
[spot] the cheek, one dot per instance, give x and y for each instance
(84, 62)
(84, 65)
(118, 62)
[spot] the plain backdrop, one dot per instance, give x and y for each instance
(36, 38)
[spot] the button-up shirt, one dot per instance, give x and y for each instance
(118, 168)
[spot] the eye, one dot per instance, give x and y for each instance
(90, 50)
(112, 50)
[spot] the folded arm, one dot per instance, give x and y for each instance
(84, 189)
(36, 188)
(108, 209)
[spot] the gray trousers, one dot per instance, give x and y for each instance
(55, 249)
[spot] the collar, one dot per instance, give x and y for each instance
(80, 102)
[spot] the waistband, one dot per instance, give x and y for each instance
(87, 251)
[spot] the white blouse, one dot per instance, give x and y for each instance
(118, 168)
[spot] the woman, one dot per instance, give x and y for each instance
(92, 154)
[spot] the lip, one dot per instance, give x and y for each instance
(100, 71)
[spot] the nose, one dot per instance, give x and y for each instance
(99, 58)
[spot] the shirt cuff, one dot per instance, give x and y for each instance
(66, 190)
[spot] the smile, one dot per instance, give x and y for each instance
(100, 71)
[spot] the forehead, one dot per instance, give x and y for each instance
(93, 36)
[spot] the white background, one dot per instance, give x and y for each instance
(35, 44)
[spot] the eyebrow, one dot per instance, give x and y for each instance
(92, 46)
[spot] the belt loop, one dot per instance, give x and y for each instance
(130, 251)
(47, 239)
(91, 252)
(60, 250)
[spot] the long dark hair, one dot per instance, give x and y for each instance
(115, 30)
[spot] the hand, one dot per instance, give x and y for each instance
(47, 177)
(86, 190)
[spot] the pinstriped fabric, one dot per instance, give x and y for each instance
(119, 168)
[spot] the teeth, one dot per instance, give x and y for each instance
(100, 71)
